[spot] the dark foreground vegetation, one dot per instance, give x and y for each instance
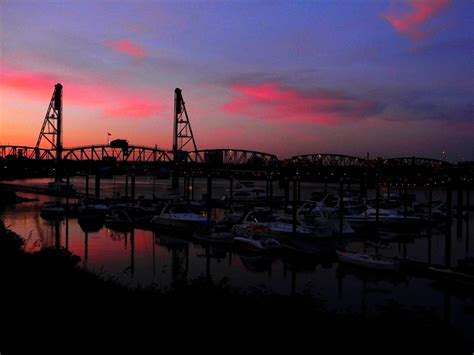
(50, 305)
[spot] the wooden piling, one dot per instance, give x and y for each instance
(271, 192)
(132, 244)
(97, 186)
(185, 186)
(295, 203)
(405, 199)
(132, 189)
(231, 189)
(448, 224)
(87, 190)
(209, 197)
(377, 203)
(126, 186)
(341, 206)
(459, 209)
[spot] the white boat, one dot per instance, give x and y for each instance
(277, 226)
(386, 217)
(259, 245)
(179, 215)
(246, 191)
(248, 186)
(371, 261)
(315, 215)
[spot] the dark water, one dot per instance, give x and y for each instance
(146, 257)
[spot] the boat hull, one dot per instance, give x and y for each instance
(369, 262)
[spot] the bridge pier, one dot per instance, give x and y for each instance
(448, 224)
(209, 198)
(97, 186)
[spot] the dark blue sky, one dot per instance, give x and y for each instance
(393, 78)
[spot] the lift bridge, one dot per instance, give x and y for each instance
(184, 153)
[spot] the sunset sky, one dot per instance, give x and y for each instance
(393, 78)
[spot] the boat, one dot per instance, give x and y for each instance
(52, 210)
(90, 223)
(277, 226)
(371, 261)
(454, 276)
(92, 208)
(257, 244)
(246, 191)
(315, 215)
(119, 220)
(216, 234)
(61, 188)
(179, 215)
(385, 217)
(214, 237)
(234, 214)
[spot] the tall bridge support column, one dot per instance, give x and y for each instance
(52, 129)
(182, 135)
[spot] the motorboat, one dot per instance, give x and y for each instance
(246, 191)
(454, 276)
(214, 237)
(61, 188)
(119, 220)
(93, 208)
(371, 261)
(257, 244)
(385, 217)
(52, 210)
(315, 215)
(216, 234)
(179, 215)
(277, 226)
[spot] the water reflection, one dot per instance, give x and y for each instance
(136, 256)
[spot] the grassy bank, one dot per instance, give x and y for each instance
(47, 299)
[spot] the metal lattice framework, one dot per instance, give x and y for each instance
(183, 133)
(329, 160)
(232, 157)
(51, 130)
(128, 154)
(18, 151)
(417, 162)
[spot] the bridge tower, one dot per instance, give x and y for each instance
(182, 135)
(52, 129)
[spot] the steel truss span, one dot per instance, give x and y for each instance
(137, 154)
(130, 153)
(232, 157)
(417, 162)
(20, 151)
(329, 160)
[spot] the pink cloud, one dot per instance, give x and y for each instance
(271, 101)
(111, 101)
(410, 23)
(127, 47)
